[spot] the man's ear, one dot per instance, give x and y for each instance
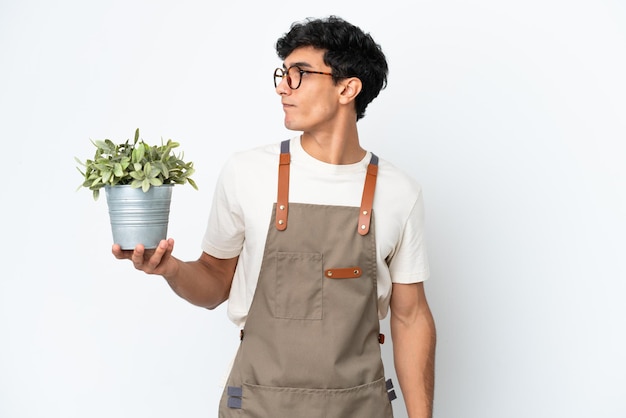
(350, 88)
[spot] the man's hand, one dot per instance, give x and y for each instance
(158, 261)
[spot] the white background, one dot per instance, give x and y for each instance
(511, 114)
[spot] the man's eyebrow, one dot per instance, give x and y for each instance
(300, 64)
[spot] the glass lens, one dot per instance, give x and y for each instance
(278, 76)
(294, 77)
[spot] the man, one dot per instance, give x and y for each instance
(345, 243)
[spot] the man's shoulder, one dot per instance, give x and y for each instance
(397, 178)
(260, 151)
(258, 157)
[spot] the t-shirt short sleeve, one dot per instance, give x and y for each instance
(409, 263)
(225, 228)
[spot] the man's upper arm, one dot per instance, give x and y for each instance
(408, 301)
(221, 269)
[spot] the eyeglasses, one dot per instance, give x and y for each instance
(293, 75)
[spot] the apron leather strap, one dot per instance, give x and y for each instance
(367, 201)
(282, 202)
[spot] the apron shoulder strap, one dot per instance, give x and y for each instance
(282, 201)
(367, 201)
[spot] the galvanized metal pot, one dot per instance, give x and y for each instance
(139, 217)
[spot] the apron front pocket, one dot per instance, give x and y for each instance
(365, 401)
(298, 286)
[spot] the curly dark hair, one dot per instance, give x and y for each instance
(349, 53)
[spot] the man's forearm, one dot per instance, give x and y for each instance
(414, 343)
(203, 283)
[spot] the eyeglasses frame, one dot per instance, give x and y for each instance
(285, 74)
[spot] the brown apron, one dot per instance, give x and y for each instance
(310, 347)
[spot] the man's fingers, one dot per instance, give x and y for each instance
(119, 253)
(147, 261)
(137, 257)
(156, 257)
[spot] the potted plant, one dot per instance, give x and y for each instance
(138, 179)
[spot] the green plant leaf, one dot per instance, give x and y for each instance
(138, 154)
(97, 182)
(118, 170)
(137, 175)
(162, 169)
(106, 175)
(100, 144)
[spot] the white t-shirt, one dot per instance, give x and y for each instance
(246, 191)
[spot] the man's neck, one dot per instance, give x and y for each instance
(336, 148)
